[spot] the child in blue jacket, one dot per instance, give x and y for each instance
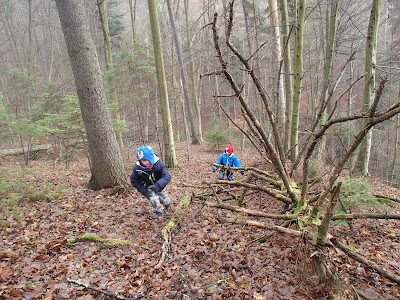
(150, 177)
(228, 159)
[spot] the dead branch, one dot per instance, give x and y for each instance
(392, 111)
(166, 234)
(277, 228)
(384, 216)
(169, 229)
(277, 158)
(88, 286)
(323, 228)
(252, 212)
(363, 260)
(270, 192)
(386, 197)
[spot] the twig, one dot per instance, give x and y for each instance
(88, 286)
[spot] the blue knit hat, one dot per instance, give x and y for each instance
(146, 152)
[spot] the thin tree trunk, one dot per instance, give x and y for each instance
(278, 57)
(298, 79)
(287, 64)
(193, 72)
(101, 4)
(364, 152)
(132, 10)
(195, 138)
(170, 155)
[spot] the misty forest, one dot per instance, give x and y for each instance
(305, 92)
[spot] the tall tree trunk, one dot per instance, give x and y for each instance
(193, 129)
(298, 79)
(278, 57)
(395, 144)
(196, 99)
(330, 41)
(106, 163)
(287, 64)
(101, 4)
(364, 152)
(132, 10)
(29, 67)
(170, 155)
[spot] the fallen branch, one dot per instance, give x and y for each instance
(86, 285)
(369, 264)
(385, 216)
(251, 212)
(270, 192)
(280, 229)
(387, 197)
(170, 228)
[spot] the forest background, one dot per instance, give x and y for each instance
(38, 93)
(314, 62)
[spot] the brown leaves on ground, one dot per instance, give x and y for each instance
(207, 260)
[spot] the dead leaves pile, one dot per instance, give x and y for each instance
(207, 260)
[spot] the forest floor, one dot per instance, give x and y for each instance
(207, 260)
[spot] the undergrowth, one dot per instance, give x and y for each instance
(25, 184)
(358, 193)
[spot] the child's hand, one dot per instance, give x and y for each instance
(153, 188)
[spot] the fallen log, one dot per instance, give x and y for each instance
(19, 151)
(385, 216)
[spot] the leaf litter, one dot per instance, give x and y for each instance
(207, 260)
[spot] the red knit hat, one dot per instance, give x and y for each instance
(229, 148)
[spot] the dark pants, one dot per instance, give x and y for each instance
(222, 173)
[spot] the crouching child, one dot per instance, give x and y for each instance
(150, 177)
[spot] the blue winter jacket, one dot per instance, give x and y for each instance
(158, 175)
(231, 160)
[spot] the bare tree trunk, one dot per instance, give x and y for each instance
(395, 145)
(287, 64)
(132, 10)
(169, 144)
(101, 4)
(330, 41)
(193, 72)
(298, 79)
(106, 161)
(195, 137)
(364, 152)
(278, 57)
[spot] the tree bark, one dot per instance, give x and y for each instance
(193, 129)
(106, 162)
(101, 4)
(298, 79)
(170, 155)
(362, 162)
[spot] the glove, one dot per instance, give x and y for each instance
(214, 168)
(153, 188)
(242, 172)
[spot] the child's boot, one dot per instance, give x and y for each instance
(156, 215)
